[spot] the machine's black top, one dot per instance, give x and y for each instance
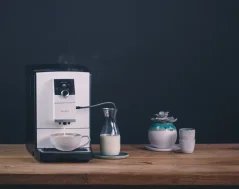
(56, 67)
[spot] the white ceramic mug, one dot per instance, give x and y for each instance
(67, 141)
(187, 146)
(186, 133)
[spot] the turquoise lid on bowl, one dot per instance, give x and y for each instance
(163, 126)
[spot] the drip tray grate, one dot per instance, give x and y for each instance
(53, 150)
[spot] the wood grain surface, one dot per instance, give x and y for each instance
(210, 164)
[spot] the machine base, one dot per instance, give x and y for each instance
(53, 155)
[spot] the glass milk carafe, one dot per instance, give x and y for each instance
(110, 135)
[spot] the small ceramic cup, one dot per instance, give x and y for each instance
(187, 146)
(187, 133)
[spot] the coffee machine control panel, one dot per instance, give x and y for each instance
(64, 101)
(64, 87)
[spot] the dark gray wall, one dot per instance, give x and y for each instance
(146, 56)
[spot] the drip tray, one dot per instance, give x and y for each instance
(53, 150)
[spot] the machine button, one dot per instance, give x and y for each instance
(64, 93)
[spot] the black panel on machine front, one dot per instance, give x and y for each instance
(64, 85)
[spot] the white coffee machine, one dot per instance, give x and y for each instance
(54, 91)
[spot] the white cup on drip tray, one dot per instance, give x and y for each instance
(68, 141)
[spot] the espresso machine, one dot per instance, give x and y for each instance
(54, 94)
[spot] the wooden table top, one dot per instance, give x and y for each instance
(210, 164)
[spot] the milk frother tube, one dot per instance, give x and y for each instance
(103, 103)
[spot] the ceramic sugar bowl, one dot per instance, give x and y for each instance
(162, 133)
